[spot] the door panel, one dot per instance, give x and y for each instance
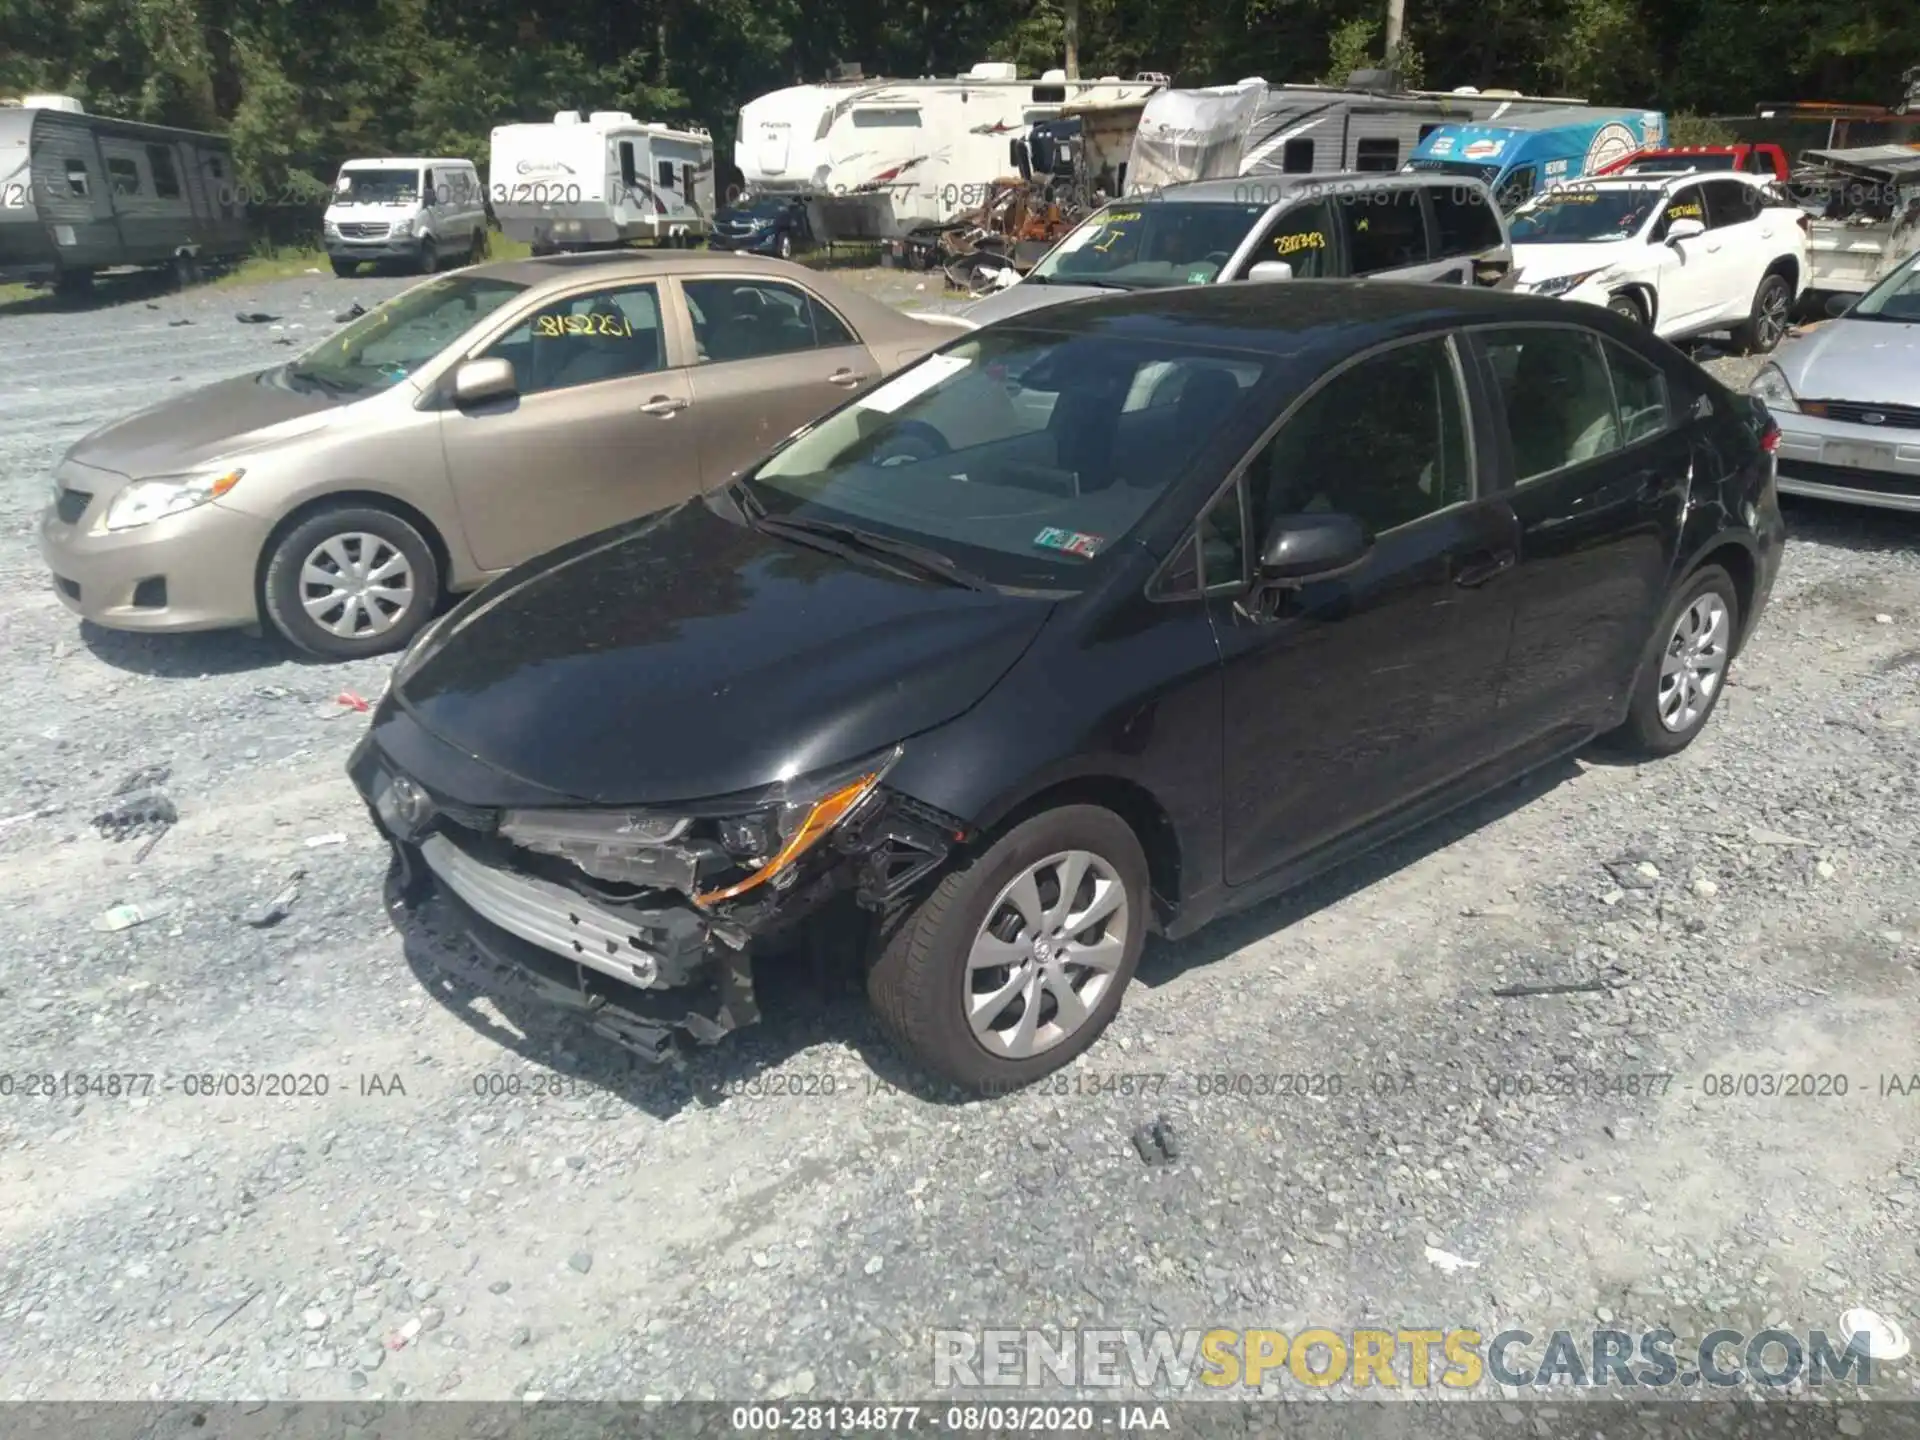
(1694, 273)
(1597, 533)
(771, 358)
(1357, 694)
(601, 431)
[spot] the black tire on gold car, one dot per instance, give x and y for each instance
(1016, 961)
(1684, 668)
(351, 581)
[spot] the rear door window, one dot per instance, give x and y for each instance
(1640, 394)
(1730, 202)
(1557, 395)
(1384, 229)
(1463, 221)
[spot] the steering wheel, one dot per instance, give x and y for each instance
(910, 440)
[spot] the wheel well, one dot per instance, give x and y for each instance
(1738, 563)
(1642, 296)
(1788, 266)
(1133, 803)
(338, 500)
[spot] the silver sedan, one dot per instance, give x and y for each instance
(1847, 397)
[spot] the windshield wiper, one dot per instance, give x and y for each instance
(1096, 281)
(923, 558)
(326, 382)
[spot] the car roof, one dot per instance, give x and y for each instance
(1297, 316)
(1655, 179)
(559, 273)
(373, 163)
(1269, 187)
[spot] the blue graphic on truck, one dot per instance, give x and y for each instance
(1529, 153)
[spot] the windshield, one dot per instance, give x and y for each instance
(377, 187)
(767, 207)
(1581, 214)
(1456, 167)
(392, 340)
(1895, 298)
(1140, 245)
(1021, 456)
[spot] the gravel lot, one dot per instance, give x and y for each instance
(1751, 907)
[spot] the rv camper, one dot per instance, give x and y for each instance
(1526, 154)
(82, 193)
(878, 159)
(605, 180)
(1253, 128)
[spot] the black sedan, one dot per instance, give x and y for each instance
(1107, 619)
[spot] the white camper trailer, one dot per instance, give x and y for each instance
(878, 159)
(607, 179)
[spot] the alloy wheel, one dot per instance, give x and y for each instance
(1694, 662)
(356, 585)
(1046, 954)
(1771, 323)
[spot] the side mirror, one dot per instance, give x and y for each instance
(1299, 548)
(478, 381)
(1684, 230)
(1271, 270)
(1838, 305)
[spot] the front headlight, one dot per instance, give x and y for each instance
(145, 501)
(764, 837)
(1562, 284)
(1771, 386)
(401, 229)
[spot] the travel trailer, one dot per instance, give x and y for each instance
(82, 193)
(878, 159)
(1252, 128)
(604, 180)
(1525, 154)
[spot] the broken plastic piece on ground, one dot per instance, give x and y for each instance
(255, 317)
(264, 917)
(1450, 1262)
(1157, 1143)
(1886, 1341)
(145, 778)
(351, 701)
(123, 917)
(352, 312)
(140, 813)
(315, 842)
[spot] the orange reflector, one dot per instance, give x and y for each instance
(826, 813)
(225, 483)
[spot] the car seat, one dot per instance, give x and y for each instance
(1551, 409)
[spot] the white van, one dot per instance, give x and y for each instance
(418, 212)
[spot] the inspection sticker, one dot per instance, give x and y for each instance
(1071, 541)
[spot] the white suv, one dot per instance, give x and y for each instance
(1683, 253)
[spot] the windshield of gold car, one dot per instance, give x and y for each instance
(1021, 456)
(1151, 243)
(392, 340)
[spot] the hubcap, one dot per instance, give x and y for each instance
(356, 585)
(1046, 955)
(1773, 315)
(1694, 664)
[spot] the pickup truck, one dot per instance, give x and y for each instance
(1769, 160)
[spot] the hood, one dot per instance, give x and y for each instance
(1027, 295)
(1533, 263)
(212, 423)
(686, 655)
(1872, 362)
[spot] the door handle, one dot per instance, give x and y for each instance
(846, 379)
(1481, 566)
(663, 405)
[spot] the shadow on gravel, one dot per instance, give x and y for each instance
(805, 1004)
(1863, 529)
(1164, 961)
(175, 657)
(107, 291)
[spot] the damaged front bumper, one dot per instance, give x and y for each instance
(642, 965)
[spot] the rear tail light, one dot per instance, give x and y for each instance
(1770, 438)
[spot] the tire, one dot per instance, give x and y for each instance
(186, 271)
(1767, 322)
(478, 250)
(429, 255)
(1645, 733)
(920, 981)
(785, 248)
(345, 268)
(283, 590)
(1628, 307)
(73, 284)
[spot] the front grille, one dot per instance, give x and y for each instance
(363, 230)
(71, 505)
(1897, 417)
